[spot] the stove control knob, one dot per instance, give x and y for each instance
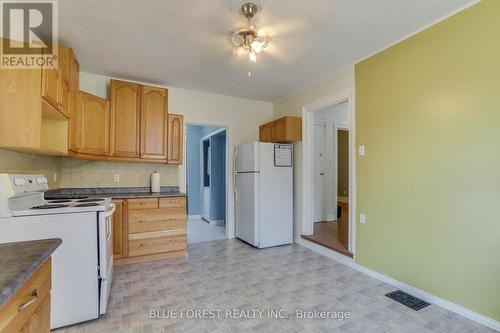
(19, 181)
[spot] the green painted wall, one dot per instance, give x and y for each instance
(428, 111)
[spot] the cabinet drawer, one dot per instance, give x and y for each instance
(147, 220)
(21, 306)
(140, 247)
(174, 202)
(143, 203)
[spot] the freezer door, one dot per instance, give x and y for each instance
(246, 157)
(247, 207)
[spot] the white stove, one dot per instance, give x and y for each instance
(82, 267)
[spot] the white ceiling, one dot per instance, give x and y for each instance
(182, 43)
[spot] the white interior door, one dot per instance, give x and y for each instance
(319, 172)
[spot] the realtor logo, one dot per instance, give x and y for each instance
(29, 34)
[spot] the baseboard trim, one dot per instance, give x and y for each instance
(217, 222)
(331, 217)
(193, 217)
(458, 309)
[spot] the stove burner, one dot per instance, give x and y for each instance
(49, 206)
(90, 204)
(58, 201)
(91, 200)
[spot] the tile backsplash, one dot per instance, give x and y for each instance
(75, 173)
(13, 162)
(83, 173)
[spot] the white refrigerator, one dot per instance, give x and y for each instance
(263, 191)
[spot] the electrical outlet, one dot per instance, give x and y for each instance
(362, 218)
(116, 177)
(362, 151)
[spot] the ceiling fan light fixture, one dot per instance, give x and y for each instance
(256, 46)
(252, 56)
(248, 38)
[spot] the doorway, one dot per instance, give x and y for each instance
(319, 171)
(330, 148)
(206, 154)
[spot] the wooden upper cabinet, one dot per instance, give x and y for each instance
(283, 130)
(64, 62)
(175, 138)
(154, 113)
(125, 119)
(64, 80)
(56, 83)
(93, 129)
(50, 87)
(266, 132)
(74, 83)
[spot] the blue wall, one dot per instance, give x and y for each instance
(218, 177)
(194, 134)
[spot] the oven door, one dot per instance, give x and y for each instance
(105, 255)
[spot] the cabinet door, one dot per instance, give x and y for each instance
(266, 132)
(64, 103)
(39, 322)
(120, 232)
(279, 130)
(64, 63)
(74, 83)
(175, 138)
(50, 87)
(93, 128)
(154, 112)
(125, 119)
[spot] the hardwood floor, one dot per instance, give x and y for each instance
(333, 234)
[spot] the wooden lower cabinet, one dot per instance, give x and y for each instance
(120, 244)
(28, 310)
(151, 228)
(152, 245)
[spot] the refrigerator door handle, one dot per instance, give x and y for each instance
(235, 160)
(235, 190)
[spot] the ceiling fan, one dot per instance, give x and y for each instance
(248, 38)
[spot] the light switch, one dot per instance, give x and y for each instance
(116, 177)
(362, 218)
(362, 150)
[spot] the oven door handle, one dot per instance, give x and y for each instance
(110, 211)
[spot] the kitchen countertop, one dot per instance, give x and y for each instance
(19, 260)
(114, 192)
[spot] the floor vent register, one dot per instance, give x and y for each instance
(406, 299)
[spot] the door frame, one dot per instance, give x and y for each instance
(335, 169)
(203, 139)
(319, 122)
(183, 168)
(308, 121)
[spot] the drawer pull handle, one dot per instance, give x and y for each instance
(34, 298)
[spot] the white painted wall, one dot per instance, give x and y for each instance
(292, 105)
(241, 116)
(339, 114)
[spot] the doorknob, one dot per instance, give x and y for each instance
(322, 174)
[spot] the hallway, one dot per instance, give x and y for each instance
(200, 231)
(333, 234)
